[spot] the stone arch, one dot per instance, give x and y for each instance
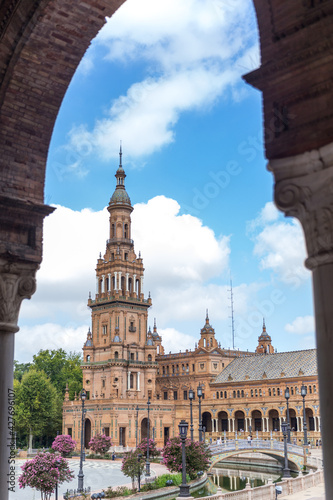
(38, 41)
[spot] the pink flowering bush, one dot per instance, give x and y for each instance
(100, 444)
(197, 456)
(64, 444)
(43, 473)
(153, 452)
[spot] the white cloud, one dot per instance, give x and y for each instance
(280, 246)
(30, 340)
(193, 52)
(302, 325)
(174, 341)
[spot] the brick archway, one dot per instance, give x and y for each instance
(42, 43)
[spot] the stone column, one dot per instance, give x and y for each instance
(109, 282)
(134, 283)
(128, 380)
(115, 281)
(127, 277)
(138, 381)
(97, 285)
(103, 283)
(304, 189)
(141, 284)
(119, 280)
(17, 282)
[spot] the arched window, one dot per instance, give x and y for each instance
(269, 392)
(88, 358)
(238, 394)
(149, 357)
(217, 395)
(278, 391)
(225, 394)
(242, 393)
(221, 394)
(126, 231)
(234, 394)
(131, 381)
(116, 355)
(314, 389)
(113, 232)
(163, 370)
(274, 391)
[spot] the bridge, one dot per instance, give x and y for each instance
(297, 455)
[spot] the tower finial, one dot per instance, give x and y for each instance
(207, 319)
(263, 324)
(120, 155)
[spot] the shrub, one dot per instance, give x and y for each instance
(43, 473)
(100, 444)
(197, 456)
(153, 452)
(64, 444)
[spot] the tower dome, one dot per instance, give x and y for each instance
(120, 196)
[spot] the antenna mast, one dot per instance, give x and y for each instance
(232, 315)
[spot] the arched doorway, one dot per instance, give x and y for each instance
(222, 421)
(87, 432)
(274, 420)
(207, 421)
(239, 421)
(293, 420)
(256, 421)
(144, 428)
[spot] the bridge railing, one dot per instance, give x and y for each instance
(243, 444)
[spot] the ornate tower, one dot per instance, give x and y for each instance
(264, 342)
(119, 355)
(207, 336)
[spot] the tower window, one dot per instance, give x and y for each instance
(116, 355)
(149, 357)
(185, 395)
(165, 395)
(132, 356)
(105, 329)
(175, 395)
(126, 256)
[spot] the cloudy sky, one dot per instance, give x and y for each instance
(165, 79)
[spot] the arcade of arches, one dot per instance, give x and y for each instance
(42, 43)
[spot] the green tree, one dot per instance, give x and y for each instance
(61, 368)
(20, 369)
(133, 464)
(38, 405)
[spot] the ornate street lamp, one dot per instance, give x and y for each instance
(191, 397)
(287, 396)
(305, 429)
(147, 462)
(80, 476)
(199, 393)
(136, 427)
(139, 470)
(204, 433)
(184, 489)
(286, 470)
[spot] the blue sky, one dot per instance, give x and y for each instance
(168, 85)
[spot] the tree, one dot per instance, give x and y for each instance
(20, 369)
(133, 464)
(64, 444)
(197, 456)
(61, 368)
(153, 452)
(44, 472)
(100, 444)
(38, 406)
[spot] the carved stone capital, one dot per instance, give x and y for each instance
(17, 282)
(304, 189)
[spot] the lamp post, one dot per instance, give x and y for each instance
(199, 393)
(191, 397)
(204, 433)
(287, 396)
(184, 489)
(80, 476)
(136, 427)
(286, 471)
(139, 470)
(305, 429)
(147, 462)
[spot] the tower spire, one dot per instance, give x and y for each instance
(120, 156)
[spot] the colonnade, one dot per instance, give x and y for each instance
(104, 283)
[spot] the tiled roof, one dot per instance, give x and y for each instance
(270, 366)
